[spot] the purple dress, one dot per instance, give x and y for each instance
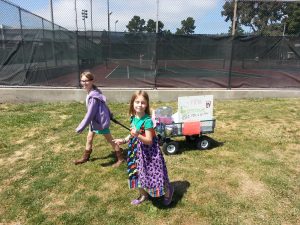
(146, 165)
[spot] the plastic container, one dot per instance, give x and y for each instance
(164, 115)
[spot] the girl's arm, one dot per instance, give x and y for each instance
(120, 141)
(90, 114)
(147, 139)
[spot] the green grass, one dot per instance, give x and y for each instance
(251, 176)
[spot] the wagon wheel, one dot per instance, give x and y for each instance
(170, 148)
(192, 139)
(204, 143)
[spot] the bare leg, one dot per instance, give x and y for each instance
(143, 197)
(109, 139)
(117, 149)
(89, 140)
(143, 192)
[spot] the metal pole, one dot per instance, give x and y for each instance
(77, 45)
(76, 23)
(234, 18)
(22, 38)
(84, 32)
(52, 18)
(116, 25)
(108, 21)
(84, 16)
(92, 19)
(156, 46)
(53, 33)
(3, 36)
(108, 15)
(157, 3)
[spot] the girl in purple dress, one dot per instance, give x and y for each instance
(146, 166)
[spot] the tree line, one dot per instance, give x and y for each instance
(263, 18)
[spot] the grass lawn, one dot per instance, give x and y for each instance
(251, 176)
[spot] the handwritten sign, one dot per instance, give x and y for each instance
(195, 108)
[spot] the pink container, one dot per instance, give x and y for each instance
(165, 120)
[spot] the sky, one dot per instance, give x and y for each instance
(206, 13)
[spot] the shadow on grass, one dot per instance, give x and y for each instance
(112, 156)
(180, 188)
(192, 145)
(183, 146)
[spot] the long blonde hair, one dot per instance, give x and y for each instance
(134, 96)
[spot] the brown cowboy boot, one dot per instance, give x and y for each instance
(120, 158)
(85, 158)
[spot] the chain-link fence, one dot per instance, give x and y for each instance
(258, 48)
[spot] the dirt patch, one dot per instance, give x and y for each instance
(64, 117)
(60, 119)
(23, 154)
(4, 106)
(227, 126)
(57, 202)
(18, 175)
(58, 148)
(246, 187)
(249, 187)
(29, 133)
(290, 156)
(49, 139)
(12, 223)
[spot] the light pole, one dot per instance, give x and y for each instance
(76, 23)
(51, 8)
(108, 16)
(109, 21)
(53, 33)
(84, 16)
(77, 46)
(108, 27)
(156, 27)
(92, 18)
(116, 25)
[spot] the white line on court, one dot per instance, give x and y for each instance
(172, 71)
(112, 71)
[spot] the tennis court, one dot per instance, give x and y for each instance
(129, 68)
(198, 73)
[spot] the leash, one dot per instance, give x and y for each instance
(117, 122)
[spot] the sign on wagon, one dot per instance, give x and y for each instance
(195, 108)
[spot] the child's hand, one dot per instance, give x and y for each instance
(118, 141)
(78, 131)
(134, 132)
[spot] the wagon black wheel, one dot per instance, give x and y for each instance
(204, 143)
(192, 139)
(170, 148)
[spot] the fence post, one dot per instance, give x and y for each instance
(233, 34)
(230, 63)
(155, 60)
(77, 54)
(22, 43)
